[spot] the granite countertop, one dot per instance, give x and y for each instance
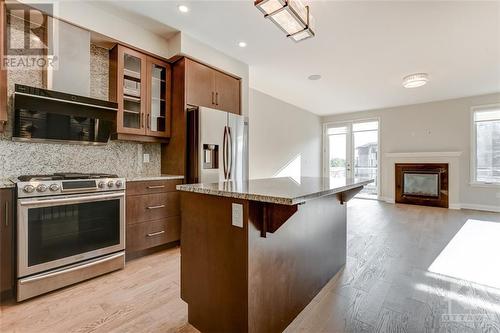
(6, 183)
(286, 191)
(147, 178)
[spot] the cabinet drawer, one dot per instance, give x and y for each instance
(148, 207)
(152, 186)
(152, 233)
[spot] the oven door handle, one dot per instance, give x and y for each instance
(79, 199)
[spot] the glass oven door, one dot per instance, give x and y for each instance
(58, 231)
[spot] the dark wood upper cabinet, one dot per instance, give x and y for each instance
(199, 84)
(140, 84)
(3, 72)
(227, 93)
(6, 241)
(158, 98)
(211, 88)
(128, 89)
(195, 84)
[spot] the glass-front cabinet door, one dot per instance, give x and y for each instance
(132, 84)
(157, 119)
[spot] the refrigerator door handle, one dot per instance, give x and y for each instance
(230, 153)
(224, 153)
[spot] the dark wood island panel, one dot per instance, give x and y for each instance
(249, 280)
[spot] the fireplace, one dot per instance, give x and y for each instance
(422, 184)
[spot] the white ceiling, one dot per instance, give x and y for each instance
(362, 49)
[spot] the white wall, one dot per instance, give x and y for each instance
(91, 17)
(279, 133)
(432, 127)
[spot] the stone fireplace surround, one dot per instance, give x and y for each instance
(451, 158)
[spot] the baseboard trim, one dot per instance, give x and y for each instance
(458, 206)
(386, 199)
(488, 208)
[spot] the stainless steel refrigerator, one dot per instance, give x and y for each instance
(217, 146)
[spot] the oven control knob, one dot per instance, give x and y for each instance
(101, 184)
(41, 188)
(119, 183)
(28, 188)
(110, 183)
(54, 187)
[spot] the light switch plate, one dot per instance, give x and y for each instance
(145, 158)
(237, 215)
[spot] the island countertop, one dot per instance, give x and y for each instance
(285, 191)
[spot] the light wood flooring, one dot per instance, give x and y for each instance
(385, 286)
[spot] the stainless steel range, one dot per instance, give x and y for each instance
(70, 227)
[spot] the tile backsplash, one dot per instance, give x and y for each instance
(121, 158)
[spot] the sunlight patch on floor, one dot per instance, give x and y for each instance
(472, 254)
(468, 301)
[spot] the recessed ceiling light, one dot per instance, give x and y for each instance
(314, 77)
(242, 44)
(415, 80)
(183, 8)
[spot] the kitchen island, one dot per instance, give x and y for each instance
(255, 253)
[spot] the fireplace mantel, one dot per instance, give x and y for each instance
(426, 154)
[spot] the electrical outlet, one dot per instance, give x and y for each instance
(145, 158)
(237, 215)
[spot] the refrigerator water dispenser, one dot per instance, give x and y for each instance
(210, 156)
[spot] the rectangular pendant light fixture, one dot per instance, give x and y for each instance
(291, 16)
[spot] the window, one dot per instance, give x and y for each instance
(486, 145)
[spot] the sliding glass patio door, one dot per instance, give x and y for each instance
(351, 150)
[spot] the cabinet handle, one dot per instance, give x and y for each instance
(155, 186)
(216, 98)
(147, 121)
(6, 213)
(213, 94)
(156, 233)
(156, 207)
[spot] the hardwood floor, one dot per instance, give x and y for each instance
(385, 286)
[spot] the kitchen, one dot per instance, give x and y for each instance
(100, 136)
(144, 178)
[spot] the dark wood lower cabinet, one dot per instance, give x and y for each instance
(6, 242)
(150, 207)
(149, 234)
(153, 215)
